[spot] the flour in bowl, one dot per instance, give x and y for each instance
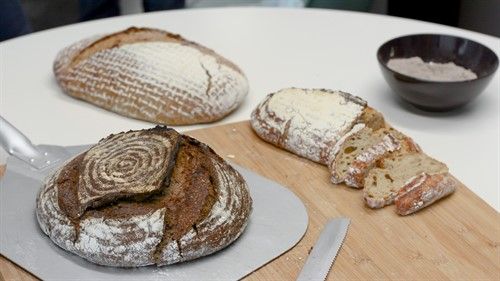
(433, 71)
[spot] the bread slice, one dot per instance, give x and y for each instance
(423, 190)
(384, 183)
(355, 143)
(309, 122)
(372, 119)
(360, 149)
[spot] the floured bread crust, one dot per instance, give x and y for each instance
(307, 122)
(423, 190)
(151, 75)
(202, 205)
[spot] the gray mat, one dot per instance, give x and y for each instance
(278, 222)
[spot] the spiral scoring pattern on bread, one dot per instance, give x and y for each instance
(131, 163)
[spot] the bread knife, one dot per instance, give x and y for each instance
(325, 250)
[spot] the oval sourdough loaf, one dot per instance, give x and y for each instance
(144, 197)
(152, 75)
(309, 122)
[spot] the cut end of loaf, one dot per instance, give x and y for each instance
(306, 122)
(359, 152)
(372, 119)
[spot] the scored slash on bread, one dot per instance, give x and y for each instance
(152, 75)
(144, 197)
(340, 130)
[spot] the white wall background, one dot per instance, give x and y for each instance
(478, 15)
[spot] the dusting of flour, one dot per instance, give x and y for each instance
(432, 71)
(307, 122)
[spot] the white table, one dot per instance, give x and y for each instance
(276, 48)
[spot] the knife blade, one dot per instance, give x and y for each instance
(325, 250)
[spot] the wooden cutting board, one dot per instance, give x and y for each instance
(457, 238)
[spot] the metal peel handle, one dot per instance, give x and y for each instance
(14, 142)
(19, 146)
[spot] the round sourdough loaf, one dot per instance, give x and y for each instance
(144, 197)
(152, 75)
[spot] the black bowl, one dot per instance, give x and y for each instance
(432, 95)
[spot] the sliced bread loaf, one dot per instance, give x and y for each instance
(396, 177)
(309, 122)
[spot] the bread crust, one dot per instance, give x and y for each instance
(377, 202)
(285, 126)
(423, 190)
(203, 208)
(152, 75)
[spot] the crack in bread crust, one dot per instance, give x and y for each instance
(203, 206)
(151, 75)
